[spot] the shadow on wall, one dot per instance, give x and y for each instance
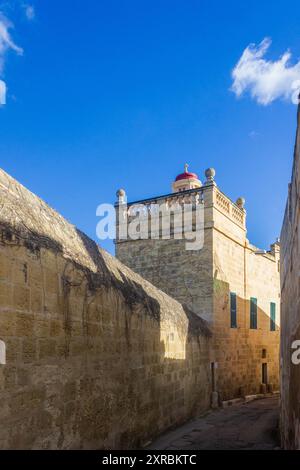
(133, 292)
(95, 360)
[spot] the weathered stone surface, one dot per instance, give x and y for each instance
(290, 308)
(97, 357)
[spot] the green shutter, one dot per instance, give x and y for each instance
(233, 322)
(272, 316)
(253, 313)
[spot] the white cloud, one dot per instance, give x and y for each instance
(2, 93)
(6, 43)
(29, 11)
(5, 40)
(266, 80)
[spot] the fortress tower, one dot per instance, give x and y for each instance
(228, 282)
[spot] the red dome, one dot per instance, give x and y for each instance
(186, 176)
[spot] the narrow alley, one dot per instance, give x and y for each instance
(252, 425)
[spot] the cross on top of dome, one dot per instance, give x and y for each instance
(186, 180)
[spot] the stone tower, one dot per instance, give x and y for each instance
(228, 282)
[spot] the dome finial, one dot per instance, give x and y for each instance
(186, 167)
(210, 174)
(240, 202)
(121, 195)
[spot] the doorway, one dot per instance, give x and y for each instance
(213, 377)
(264, 373)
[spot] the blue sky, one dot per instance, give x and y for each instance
(123, 93)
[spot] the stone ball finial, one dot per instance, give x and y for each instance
(240, 202)
(210, 174)
(121, 195)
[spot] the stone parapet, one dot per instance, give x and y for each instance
(208, 195)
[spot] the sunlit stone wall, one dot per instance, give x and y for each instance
(96, 357)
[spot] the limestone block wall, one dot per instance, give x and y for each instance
(241, 351)
(96, 356)
(184, 275)
(290, 308)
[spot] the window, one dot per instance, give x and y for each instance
(253, 313)
(272, 316)
(233, 322)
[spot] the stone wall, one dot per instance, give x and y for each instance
(241, 352)
(96, 357)
(290, 308)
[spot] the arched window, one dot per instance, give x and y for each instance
(2, 353)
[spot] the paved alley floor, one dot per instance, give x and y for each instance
(251, 425)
